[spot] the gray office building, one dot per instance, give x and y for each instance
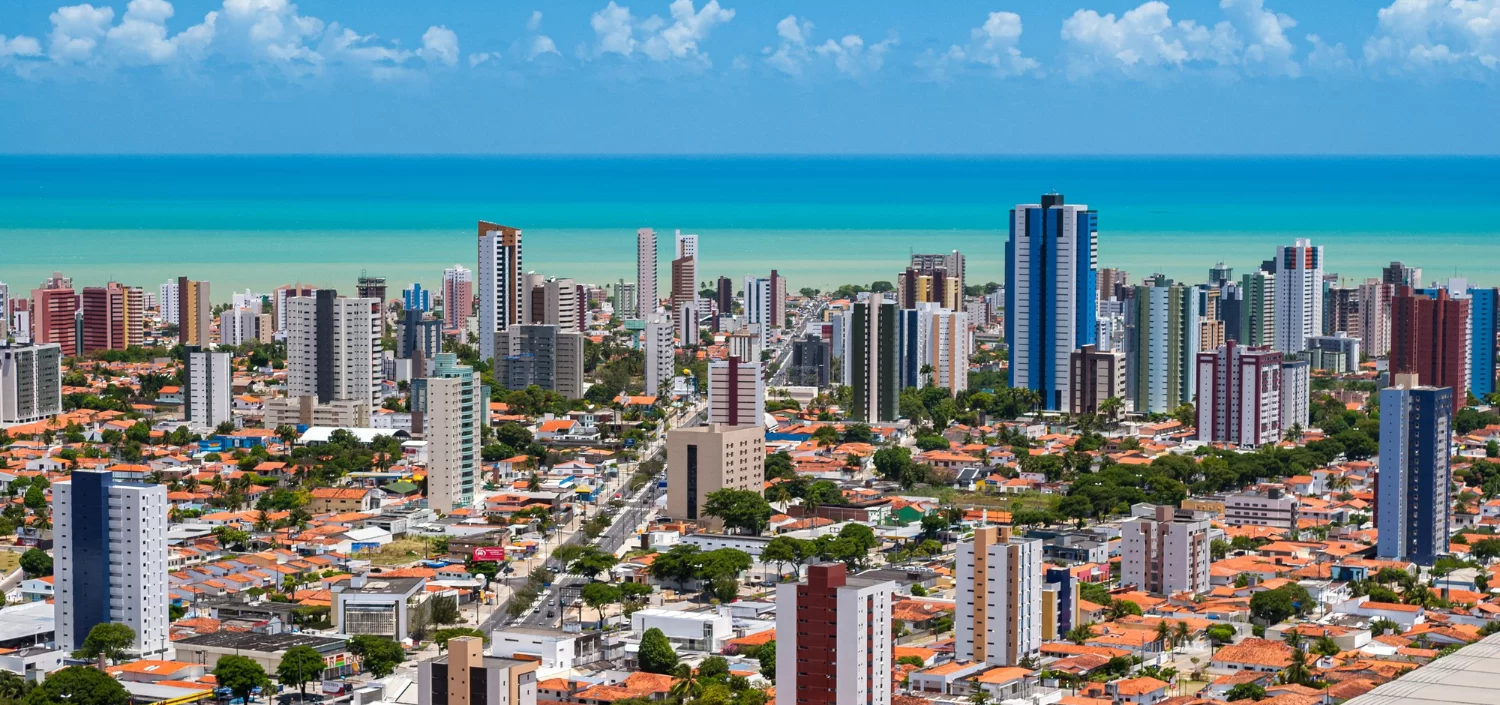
(546, 356)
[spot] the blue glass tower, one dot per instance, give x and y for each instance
(1484, 306)
(1411, 490)
(1051, 293)
(415, 298)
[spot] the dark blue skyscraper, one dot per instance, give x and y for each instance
(1051, 293)
(1411, 510)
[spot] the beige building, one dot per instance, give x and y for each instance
(998, 588)
(468, 677)
(340, 413)
(704, 459)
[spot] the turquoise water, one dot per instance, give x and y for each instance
(262, 221)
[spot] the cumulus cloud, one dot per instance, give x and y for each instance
(265, 34)
(1426, 36)
(994, 46)
(1145, 41)
(1327, 58)
(849, 55)
(617, 31)
(535, 22)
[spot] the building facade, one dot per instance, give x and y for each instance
(736, 392)
(207, 386)
(333, 348)
(1239, 396)
(832, 613)
(811, 362)
(30, 382)
(702, 460)
(998, 591)
(447, 413)
(544, 355)
(1299, 295)
(1094, 376)
(54, 314)
(498, 283)
(660, 355)
(466, 676)
(194, 312)
(871, 360)
(1166, 552)
(645, 272)
(111, 559)
(1412, 487)
(458, 296)
(1161, 346)
(1051, 275)
(1430, 338)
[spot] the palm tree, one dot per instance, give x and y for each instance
(1164, 634)
(1110, 408)
(687, 684)
(1184, 633)
(262, 521)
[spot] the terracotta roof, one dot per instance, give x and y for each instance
(1256, 652)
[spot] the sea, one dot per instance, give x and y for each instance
(255, 222)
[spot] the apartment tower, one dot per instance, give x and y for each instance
(998, 587)
(834, 639)
(499, 283)
(1051, 293)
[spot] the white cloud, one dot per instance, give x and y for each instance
(480, 57)
(1327, 58)
(849, 55)
(261, 34)
(1424, 36)
(616, 31)
(541, 44)
(440, 45)
(19, 46)
(1145, 41)
(535, 22)
(994, 45)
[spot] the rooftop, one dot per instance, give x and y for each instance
(252, 641)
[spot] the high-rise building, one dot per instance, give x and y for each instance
(54, 314)
(1375, 317)
(1220, 274)
(30, 382)
(238, 326)
(811, 362)
(1412, 503)
(645, 272)
(4, 310)
(206, 387)
(954, 271)
(368, 287)
(1094, 376)
(279, 297)
(946, 348)
(447, 410)
(135, 313)
(758, 306)
(166, 300)
(1299, 295)
(555, 302)
(194, 311)
(914, 287)
(1484, 326)
(1398, 274)
(778, 300)
(458, 296)
(1051, 293)
(725, 296)
(624, 300)
(414, 297)
(685, 271)
(1166, 552)
(1113, 283)
(659, 353)
(1239, 395)
(1257, 309)
(104, 324)
(702, 460)
(736, 392)
(1338, 353)
(417, 333)
(1342, 310)
(111, 559)
(1296, 393)
(1061, 611)
(466, 676)
(1211, 328)
(1430, 338)
(873, 372)
(499, 283)
(549, 357)
(333, 348)
(998, 592)
(1161, 345)
(831, 614)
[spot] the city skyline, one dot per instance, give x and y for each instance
(316, 76)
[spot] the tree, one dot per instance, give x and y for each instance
(739, 509)
(656, 654)
(599, 596)
(1221, 634)
(378, 655)
(1485, 550)
(1080, 633)
(687, 686)
(37, 563)
(240, 675)
(825, 436)
(766, 655)
(445, 610)
(1274, 606)
(78, 685)
(590, 562)
(724, 589)
(109, 640)
(35, 497)
(1325, 646)
(299, 666)
(1245, 691)
(442, 636)
(1298, 671)
(780, 551)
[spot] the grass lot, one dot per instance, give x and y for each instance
(399, 552)
(9, 561)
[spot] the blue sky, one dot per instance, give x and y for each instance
(728, 76)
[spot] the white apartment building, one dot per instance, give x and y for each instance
(441, 401)
(30, 382)
(945, 346)
(1296, 391)
(207, 387)
(736, 392)
(499, 285)
(238, 326)
(1299, 295)
(1165, 552)
(458, 296)
(758, 305)
(111, 559)
(645, 272)
(166, 296)
(998, 588)
(832, 613)
(659, 352)
(333, 348)
(1274, 508)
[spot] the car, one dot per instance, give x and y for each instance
(551, 614)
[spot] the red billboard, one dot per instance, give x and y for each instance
(489, 553)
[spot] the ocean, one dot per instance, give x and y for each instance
(258, 222)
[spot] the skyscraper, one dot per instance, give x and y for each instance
(1412, 503)
(659, 353)
(499, 283)
(1112, 283)
(1375, 317)
(30, 382)
(811, 362)
(54, 309)
(829, 614)
(725, 296)
(1096, 376)
(369, 287)
(1299, 295)
(111, 559)
(416, 333)
(1220, 274)
(104, 325)
(998, 591)
(414, 297)
(758, 306)
(685, 271)
(736, 392)
(945, 349)
(446, 411)
(166, 301)
(1161, 345)
(1484, 326)
(1257, 309)
(279, 297)
(954, 270)
(1398, 274)
(1342, 310)
(206, 387)
(238, 326)
(871, 360)
(645, 272)
(333, 348)
(1239, 395)
(458, 296)
(194, 311)
(778, 300)
(1051, 293)
(548, 356)
(1430, 338)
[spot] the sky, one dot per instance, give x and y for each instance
(733, 77)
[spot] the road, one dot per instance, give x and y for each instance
(782, 355)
